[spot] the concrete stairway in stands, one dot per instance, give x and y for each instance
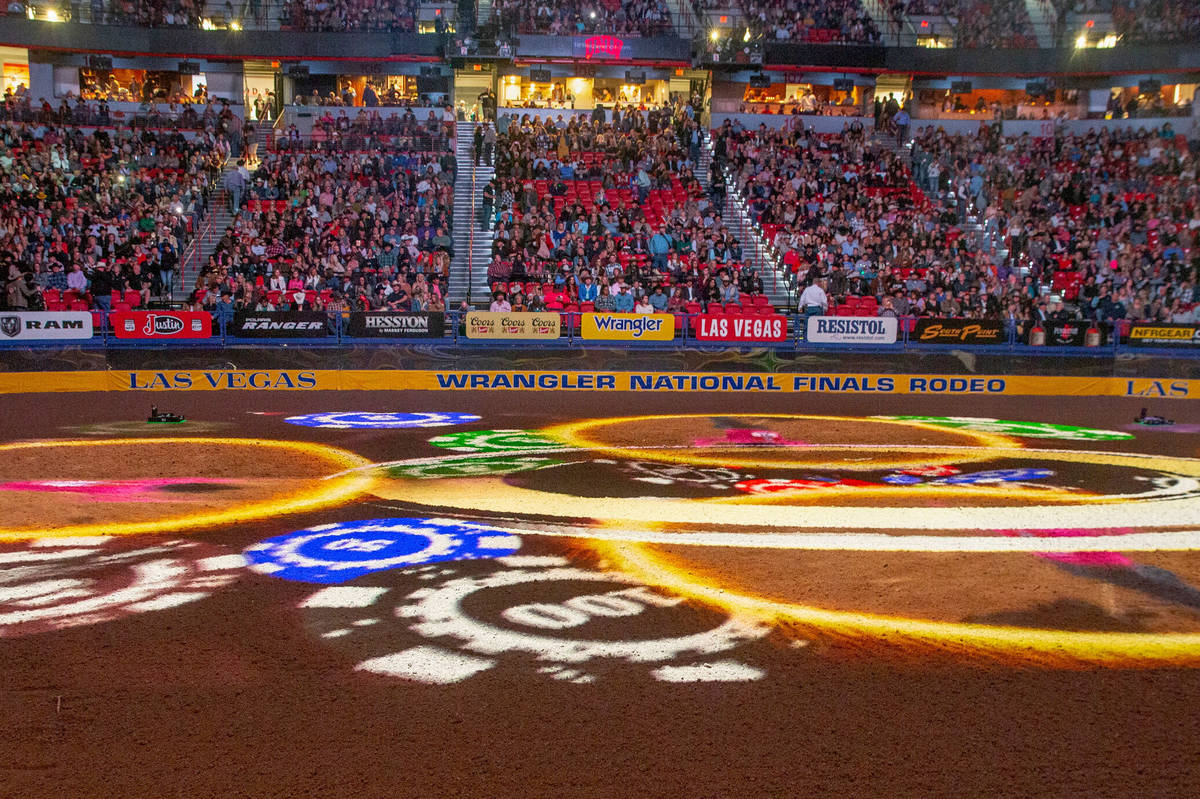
(1043, 17)
(472, 243)
(219, 218)
(755, 250)
(483, 13)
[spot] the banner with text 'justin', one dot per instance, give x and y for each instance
(161, 324)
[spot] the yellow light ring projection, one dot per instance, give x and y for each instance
(577, 434)
(494, 495)
(1063, 649)
(334, 491)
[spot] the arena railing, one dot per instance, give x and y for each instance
(863, 333)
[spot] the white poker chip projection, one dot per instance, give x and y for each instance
(56, 583)
(541, 614)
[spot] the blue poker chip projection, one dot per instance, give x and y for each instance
(338, 553)
(361, 420)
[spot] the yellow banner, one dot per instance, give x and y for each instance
(546, 380)
(493, 324)
(628, 326)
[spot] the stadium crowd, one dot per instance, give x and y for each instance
(816, 21)
(1100, 226)
(566, 17)
(609, 215)
(354, 219)
(351, 15)
(85, 215)
(216, 118)
(1156, 21)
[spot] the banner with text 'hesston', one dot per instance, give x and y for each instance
(387, 324)
(741, 327)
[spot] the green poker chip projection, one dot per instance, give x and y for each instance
(480, 466)
(1063, 432)
(495, 441)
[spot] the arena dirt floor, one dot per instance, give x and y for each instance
(522, 594)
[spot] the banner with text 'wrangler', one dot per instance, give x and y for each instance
(628, 326)
(566, 380)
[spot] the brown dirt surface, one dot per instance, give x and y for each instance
(236, 688)
(202, 479)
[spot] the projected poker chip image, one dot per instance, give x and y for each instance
(120, 486)
(1015, 539)
(379, 421)
(538, 615)
(54, 583)
(337, 553)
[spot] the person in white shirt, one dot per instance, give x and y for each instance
(77, 280)
(500, 303)
(814, 296)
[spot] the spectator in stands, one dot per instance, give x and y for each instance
(1102, 220)
(570, 17)
(813, 298)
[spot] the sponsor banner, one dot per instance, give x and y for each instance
(493, 324)
(1163, 335)
(279, 324)
(628, 326)
(684, 382)
(386, 324)
(1067, 334)
(32, 325)
(597, 47)
(741, 328)
(161, 324)
(958, 331)
(852, 329)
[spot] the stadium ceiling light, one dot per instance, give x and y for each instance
(714, 34)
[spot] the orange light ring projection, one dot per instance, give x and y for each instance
(577, 434)
(325, 493)
(1062, 649)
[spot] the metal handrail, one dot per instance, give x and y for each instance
(1015, 339)
(471, 238)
